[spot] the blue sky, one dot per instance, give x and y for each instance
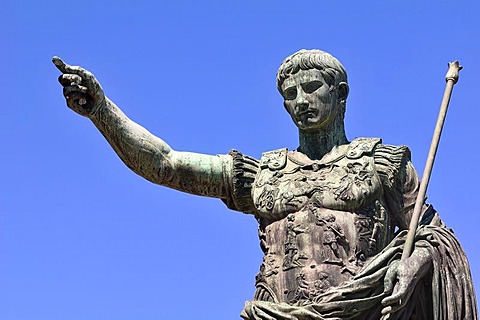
(82, 237)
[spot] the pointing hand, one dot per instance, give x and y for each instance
(81, 89)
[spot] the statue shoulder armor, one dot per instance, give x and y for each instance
(239, 181)
(361, 147)
(390, 161)
(274, 160)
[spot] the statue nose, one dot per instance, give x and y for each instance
(302, 103)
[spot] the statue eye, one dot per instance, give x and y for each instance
(312, 86)
(290, 93)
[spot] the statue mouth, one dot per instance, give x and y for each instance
(307, 114)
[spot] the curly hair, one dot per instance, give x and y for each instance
(332, 70)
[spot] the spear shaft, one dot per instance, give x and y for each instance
(451, 78)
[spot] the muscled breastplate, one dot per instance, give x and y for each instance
(320, 221)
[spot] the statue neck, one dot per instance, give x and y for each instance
(316, 144)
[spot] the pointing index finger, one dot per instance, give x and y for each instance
(60, 64)
(66, 68)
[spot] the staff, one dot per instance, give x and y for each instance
(451, 78)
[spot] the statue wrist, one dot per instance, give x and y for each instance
(100, 106)
(423, 259)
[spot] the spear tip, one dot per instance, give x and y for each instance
(453, 70)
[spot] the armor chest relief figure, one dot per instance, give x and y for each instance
(320, 221)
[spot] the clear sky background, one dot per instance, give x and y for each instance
(84, 238)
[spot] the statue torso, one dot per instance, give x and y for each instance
(320, 221)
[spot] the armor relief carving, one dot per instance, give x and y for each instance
(317, 219)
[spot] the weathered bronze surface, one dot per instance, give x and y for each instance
(332, 214)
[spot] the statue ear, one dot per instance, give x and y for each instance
(343, 91)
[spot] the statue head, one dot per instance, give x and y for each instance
(314, 86)
(329, 66)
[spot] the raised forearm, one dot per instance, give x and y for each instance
(153, 159)
(144, 153)
(141, 151)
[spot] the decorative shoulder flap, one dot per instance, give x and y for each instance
(274, 160)
(361, 146)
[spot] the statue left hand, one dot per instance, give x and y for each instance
(401, 279)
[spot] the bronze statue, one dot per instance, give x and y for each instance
(332, 214)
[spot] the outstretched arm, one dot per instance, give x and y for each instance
(144, 153)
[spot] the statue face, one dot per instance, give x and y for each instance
(309, 101)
